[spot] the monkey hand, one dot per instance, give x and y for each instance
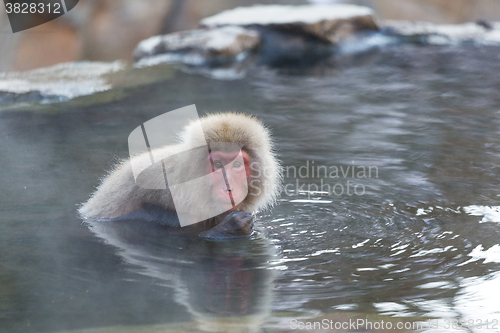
(236, 224)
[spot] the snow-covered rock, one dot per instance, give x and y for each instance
(197, 46)
(282, 34)
(291, 36)
(57, 83)
(443, 34)
(330, 23)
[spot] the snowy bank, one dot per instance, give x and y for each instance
(481, 33)
(197, 46)
(57, 83)
(266, 34)
(330, 23)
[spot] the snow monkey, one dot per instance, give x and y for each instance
(236, 162)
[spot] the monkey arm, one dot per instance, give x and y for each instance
(159, 220)
(236, 224)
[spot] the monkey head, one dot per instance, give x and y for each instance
(244, 172)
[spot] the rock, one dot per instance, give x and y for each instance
(77, 80)
(195, 47)
(294, 37)
(444, 34)
(57, 83)
(438, 11)
(328, 23)
(284, 35)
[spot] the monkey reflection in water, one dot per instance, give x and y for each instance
(242, 177)
(224, 286)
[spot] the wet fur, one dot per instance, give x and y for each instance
(118, 195)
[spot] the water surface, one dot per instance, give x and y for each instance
(424, 120)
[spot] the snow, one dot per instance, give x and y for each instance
(443, 34)
(489, 214)
(227, 36)
(452, 30)
(227, 39)
(285, 14)
(168, 58)
(148, 45)
(493, 36)
(67, 80)
(490, 255)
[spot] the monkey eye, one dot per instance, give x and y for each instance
(218, 164)
(237, 164)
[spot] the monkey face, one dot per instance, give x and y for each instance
(229, 173)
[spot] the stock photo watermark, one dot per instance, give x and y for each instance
(356, 324)
(367, 324)
(27, 14)
(316, 180)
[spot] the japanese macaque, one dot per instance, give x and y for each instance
(218, 177)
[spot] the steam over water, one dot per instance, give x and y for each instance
(413, 133)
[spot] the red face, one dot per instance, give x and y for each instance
(229, 173)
